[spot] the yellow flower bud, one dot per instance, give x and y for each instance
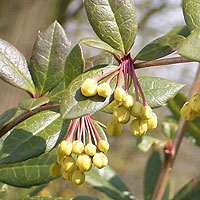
(103, 145)
(100, 160)
(113, 128)
(138, 127)
(194, 103)
(65, 148)
(152, 122)
(78, 177)
(128, 101)
(104, 89)
(137, 109)
(66, 175)
(146, 112)
(54, 169)
(89, 87)
(60, 159)
(90, 149)
(84, 162)
(68, 164)
(187, 113)
(121, 114)
(119, 94)
(77, 147)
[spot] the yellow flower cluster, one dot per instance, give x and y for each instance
(90, 88)
(191, 109)
(124, 106)
(75, 158)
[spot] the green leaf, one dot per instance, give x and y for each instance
(74, 65)
(48, 57)
(180, 30)
(104, 58)
(169, 128)
(191, 11)
(114, 22)
(158, 91)
(14, 68)
(29, 173)
(107, 181)
(3, 190)
(99, 44)
(151, 174)
(74, 104)
(85, 198)
(57, 93)
(47, 198)
(30, 104)
(190, 191)
(145, 143)
(34, 136)
(160, 47)
(190, 47)
(6, 116)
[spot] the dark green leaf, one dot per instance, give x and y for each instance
(107, 181)
(113, 21)
(158, 91)
(14, 68)
(32, 172)
(30, 104)
(85, 198)
(104, 58)
(160, 47)
(180, 30)
(151, 174)
(48, 57)
(145, 143)
(6, 116)
(190, 47)
(191, 11)
(57, 93)
(74, 65)
(74, 104)
(191, 191)
(34, 136)
(3, 190)
(99, 44)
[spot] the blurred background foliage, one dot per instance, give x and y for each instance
(19, 23)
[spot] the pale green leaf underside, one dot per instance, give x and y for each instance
(107, 181)
(14, 68)
(30, 104)
(32, 172)
(191, 11)
(48, 57)
(34, 136)
(160, 47)
(113, 21)
(190, 48)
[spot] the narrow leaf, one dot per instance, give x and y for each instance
(47, 198)
(30, 104)
(160, 47)
(14, 68)
(191, 13)
(107, 181)
(29, 173)
(57, 93)
(99, 44)
(114, 22)
(74, 65)
(190, 47)
(34, 136)
(48, 57)
(74, 104)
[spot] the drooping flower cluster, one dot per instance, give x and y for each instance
(82, 148)
(124, 105)
(191, 109)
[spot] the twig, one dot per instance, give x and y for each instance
(25, 116)
(169, 158)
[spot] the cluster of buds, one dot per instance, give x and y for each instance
(82, 147)
(191, 109)
(124, 105)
